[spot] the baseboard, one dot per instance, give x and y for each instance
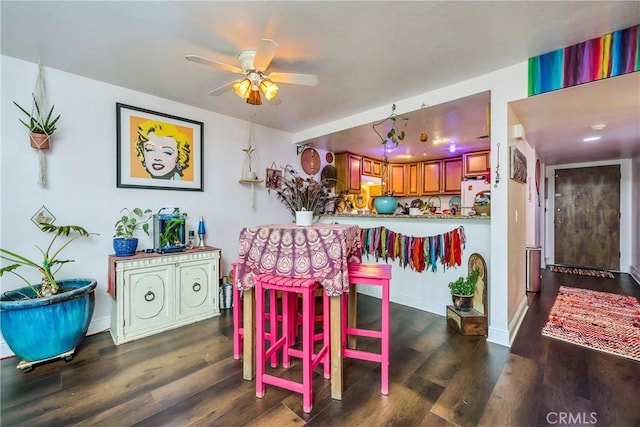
(95, 327)
(517, 319)
(406, 300)
(498, 336)
(635, 274)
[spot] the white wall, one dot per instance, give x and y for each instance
(81, 175)
(634, 268)
(629, 212)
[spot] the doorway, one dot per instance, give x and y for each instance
(587, 217)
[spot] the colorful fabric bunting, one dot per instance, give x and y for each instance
(419, 253)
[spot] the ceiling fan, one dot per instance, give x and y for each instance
(254, 64)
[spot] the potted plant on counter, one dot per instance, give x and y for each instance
(40, 126)
(124, 244)
(463, 290)
(48, 320)
(306, 198)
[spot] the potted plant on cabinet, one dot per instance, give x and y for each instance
(463, 290)
(48, 320)
(124, 244)
(40, 126)
(386, 204)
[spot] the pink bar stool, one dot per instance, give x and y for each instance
(310, 359)
(374, 275)
(238, 330)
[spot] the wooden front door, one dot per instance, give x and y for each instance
(587, 217)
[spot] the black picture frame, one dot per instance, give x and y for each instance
(183, 154)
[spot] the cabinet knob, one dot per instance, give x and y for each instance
(149, 296)
(196, 287)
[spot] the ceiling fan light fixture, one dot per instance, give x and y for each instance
(254, 97)
(269, 89)
(242, 88)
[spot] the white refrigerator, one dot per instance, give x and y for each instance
(470, 188)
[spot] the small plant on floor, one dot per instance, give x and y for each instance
(465, 286)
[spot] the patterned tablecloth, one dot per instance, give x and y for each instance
(320, 251)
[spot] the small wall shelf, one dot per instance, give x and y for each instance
(251, 181)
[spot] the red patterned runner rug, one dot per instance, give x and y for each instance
(598, 320)
(581, 271)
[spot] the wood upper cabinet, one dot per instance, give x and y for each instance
(397, 177)
(414, 175)
(452, 175)
(349, 168)
(370, 167)
(431, 177)
(477, 163)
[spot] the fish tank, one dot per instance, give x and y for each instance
(169, 230)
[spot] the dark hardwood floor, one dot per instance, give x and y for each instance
(437, 378)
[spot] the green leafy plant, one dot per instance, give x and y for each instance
(131, 221)
(50, 264)
(465, 286)
(171, 235)
(394, 134)
(37, 122)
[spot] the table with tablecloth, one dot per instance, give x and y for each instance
(320, 251)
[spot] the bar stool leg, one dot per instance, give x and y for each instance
(259, 340)
(384, 366)
(326, 326)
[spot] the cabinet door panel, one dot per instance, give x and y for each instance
(431, 177)
(148, 307)
(452, 175)
(195, 290)
(398, 184)
(477, 163)
(413, 179)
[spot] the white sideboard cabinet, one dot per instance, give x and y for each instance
(155, 293)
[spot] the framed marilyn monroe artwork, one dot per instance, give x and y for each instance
(157, 150)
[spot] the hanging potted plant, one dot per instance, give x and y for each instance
(386, 204)
(124, 244)
(48, 320)
(40, 126)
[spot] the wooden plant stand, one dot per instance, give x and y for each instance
(474, 321)
(26, 366)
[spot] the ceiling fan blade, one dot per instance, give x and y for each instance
(222, 89)
(213, 63)
(264, 54)
(294, 79)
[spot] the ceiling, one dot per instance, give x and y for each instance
(366, 55)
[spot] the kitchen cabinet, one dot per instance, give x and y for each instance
(413, 179)
(156, 293)
(349, 168)
(398, 179)
(452, 175)
(431, 177)
(370, 167)
(476, 163)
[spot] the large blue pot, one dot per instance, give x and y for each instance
(385, 204)
(37, 329)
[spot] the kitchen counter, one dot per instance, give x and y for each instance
(415, 217)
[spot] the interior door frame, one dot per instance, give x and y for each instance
(625, 210)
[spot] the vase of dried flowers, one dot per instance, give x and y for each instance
(305, 198)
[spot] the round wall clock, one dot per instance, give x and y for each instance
(310, 161)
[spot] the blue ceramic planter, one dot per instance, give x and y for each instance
(37, 329)
(385, 204)
(125, 247)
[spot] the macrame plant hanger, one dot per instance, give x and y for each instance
(39, 102)
(250, 163)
